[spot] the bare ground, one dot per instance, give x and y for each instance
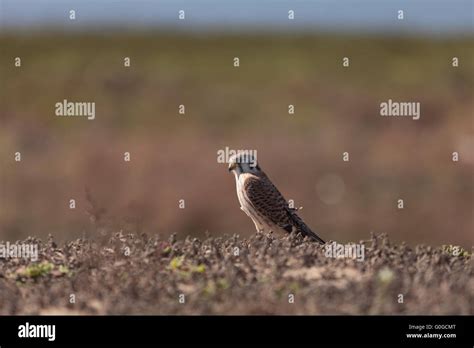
(137, 274)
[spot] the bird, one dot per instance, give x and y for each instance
(261, 200)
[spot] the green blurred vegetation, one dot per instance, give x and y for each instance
(168, 70)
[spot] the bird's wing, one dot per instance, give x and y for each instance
(269, 202)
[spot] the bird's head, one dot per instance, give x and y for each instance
(243, 162)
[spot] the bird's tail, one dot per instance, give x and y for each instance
(305, 230)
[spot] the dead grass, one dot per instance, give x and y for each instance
(217, 280)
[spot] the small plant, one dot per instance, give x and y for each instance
(166, 251)
(36, 270)
(176, 262)
(385, 276)
(198, 269)
(455, 250)
(39, 270)
(185, 269)
(64, 270)
(213, 286)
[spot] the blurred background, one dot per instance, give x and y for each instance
(282, 62)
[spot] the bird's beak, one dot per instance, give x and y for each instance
(232, 166)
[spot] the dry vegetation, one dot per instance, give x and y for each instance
(217, 281)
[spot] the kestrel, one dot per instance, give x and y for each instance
(262, 201)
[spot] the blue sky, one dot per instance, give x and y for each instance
(433, 17)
